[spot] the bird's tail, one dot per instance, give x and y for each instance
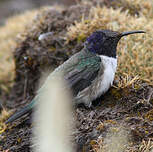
(21, 112)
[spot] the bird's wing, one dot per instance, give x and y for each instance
(81, 74)
(80, 70)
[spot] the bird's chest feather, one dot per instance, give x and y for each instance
(105, 76)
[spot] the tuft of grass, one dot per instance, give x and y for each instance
(134, 51)
(149, 115)
(146, 7)
(126, 81)
(5, 114)
(146, 146)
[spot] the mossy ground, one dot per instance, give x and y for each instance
(127, 104)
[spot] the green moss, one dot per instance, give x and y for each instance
(81, 37)
(149, 115)
(87, 21)
(116, 93)
(137, 86)
(52, 49)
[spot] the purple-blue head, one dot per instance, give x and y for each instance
(104, 42)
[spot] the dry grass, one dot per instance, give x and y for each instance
(145, 146)
(5, 114)
(8, 33)
(146, 7)
(135, 52)
(126, 81)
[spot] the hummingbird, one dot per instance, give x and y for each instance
(90, 72)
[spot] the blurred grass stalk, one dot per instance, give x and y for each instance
(52, 118)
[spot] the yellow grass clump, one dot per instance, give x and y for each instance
(135, 52)
(146, 7)
(5, 114)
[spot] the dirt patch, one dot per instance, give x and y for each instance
(122, 108)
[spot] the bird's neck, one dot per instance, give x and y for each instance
(109, 62)
(88, 52)
(109, 51)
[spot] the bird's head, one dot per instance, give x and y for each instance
(104, 42)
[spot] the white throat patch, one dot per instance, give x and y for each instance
(110, 65)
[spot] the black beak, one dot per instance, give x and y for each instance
(131, 32)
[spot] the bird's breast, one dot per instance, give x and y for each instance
(106, 75)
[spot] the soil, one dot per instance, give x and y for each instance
(130, 107)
